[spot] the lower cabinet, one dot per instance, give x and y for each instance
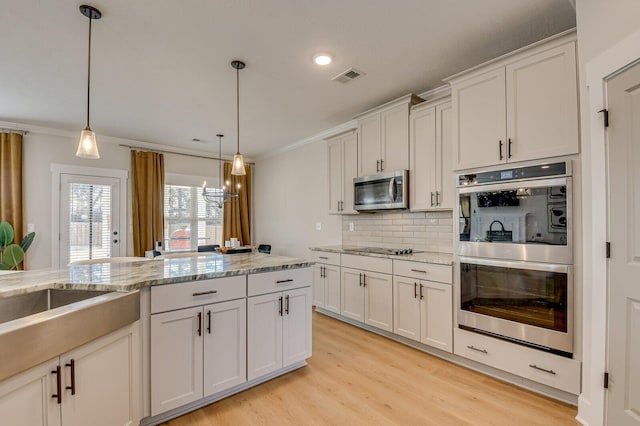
(423, 312)
(367, 297)
(196, 352)
(326, 287)
(95, 384)
(279, 330)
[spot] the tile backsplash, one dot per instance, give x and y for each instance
(425, 231)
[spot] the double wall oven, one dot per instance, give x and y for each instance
(515, 255)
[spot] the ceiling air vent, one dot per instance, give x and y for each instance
(348, 75)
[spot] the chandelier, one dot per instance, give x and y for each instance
(219, 196)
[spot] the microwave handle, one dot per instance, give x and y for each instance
(393, 190)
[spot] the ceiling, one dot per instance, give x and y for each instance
(161, 69)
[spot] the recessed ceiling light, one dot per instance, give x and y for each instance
(322, 58)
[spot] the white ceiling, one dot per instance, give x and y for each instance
(161, 69)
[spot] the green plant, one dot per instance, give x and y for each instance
(11, 255)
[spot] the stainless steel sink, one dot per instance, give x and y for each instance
(36, 327)
(23, 305)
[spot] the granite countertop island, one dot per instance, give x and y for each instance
(129, 276)
(424, 257)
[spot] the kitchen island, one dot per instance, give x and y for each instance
(206, 326)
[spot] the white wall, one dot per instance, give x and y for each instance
(44, 147)
(290, 197)
(601, 25)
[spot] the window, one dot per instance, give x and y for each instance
(189, 220)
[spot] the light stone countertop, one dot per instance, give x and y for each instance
(129, 276)
(424, 257)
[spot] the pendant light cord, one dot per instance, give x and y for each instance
(89, 72)
(238, 106)
(220, 180)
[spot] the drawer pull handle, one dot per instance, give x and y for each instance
(473, 348)
(419, 270)
(204, 293)
(284, 281)
(542, 369)
(323, 257)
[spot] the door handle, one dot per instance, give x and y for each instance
(421, 295)
(209, 321)
(378, 166)
(364, 280)
(381, 165)
(72, 364)
(199, 323)
(432, 199)
(58, 394)
(286, 305)
(501, 156)
(509, 148)
(415, 290)
(280, 310)
(437, 198)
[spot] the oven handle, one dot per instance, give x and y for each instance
(516, 264)
(393, 191)
(510, 186)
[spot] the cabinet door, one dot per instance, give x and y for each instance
(542, 105)
(445, 178)
(225, 345)
(436, 315)
(104, 376)
(479, 120)
(334, 154)
(395, 138)
(378, 300)
(350, 170)
(406, 308)
(176, 359)
(25, 399)
(332, 288)
(296, 326)
(264, 334)
(369, 145)
(422, 172)
(352, 294)
(319, 290)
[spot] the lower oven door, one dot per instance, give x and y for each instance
(528, 302)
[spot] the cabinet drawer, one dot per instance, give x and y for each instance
(368, 263)
(286, 279)
(326, 257)
(194, 293)
(423, 271)
(551, 370)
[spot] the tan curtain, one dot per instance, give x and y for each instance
(11, 200)
(236, 215)
(147, 193)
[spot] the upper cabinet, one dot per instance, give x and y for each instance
(342, 152)
(383, 143)
(430, 153)
(521, 107)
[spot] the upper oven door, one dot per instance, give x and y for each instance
(523, 220)
(382, 191)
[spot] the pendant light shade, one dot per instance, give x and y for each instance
(88, 147)
(237, 168)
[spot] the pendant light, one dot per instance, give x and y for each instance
(88, 148)
(219, 196)
(237, 168)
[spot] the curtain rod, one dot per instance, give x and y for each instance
(164, 151)
(6, 129)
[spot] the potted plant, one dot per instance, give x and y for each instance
(11, 255)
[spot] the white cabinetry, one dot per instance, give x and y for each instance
(279, 322)
(326, 280)
(199, 350)
(423, 308)
(430, 169)
(95, 384)
(367, 291)
(523, 107)
(343, 167)
(383, 142)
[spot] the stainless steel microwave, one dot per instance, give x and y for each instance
(383, 191)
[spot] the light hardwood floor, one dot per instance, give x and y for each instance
(359, 378)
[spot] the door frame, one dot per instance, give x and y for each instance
(59, 169)
(595, 203)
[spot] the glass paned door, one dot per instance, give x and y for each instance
(89, 218)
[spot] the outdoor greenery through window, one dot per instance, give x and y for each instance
(189, 221)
